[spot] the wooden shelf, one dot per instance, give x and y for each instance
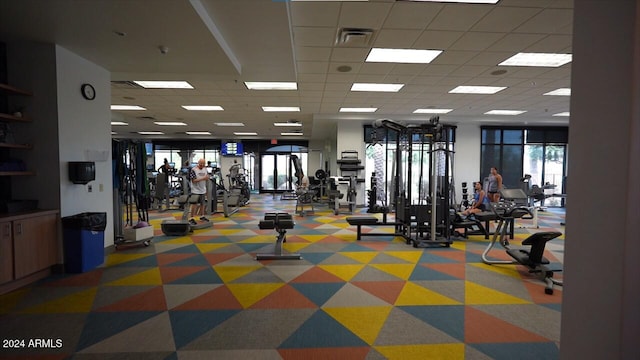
(10, 90)
(17, 173)
(16, 146)
(7, 117)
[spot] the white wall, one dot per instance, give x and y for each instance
(84, 132)
(600, 313)
(466, 167)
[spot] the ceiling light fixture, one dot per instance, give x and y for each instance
(197, 132)
(245, 133)
(229, 124)
(271, 85)
(459, 1)
(150, 133)
(537, 59)
(363, 110)
(287, 124)
(169, 123)
(432, 111)
(119, 123)
(202, 107)
(476, 89)
(127, 107)
(291, 134)
(560, 92)
(407, 56)
(153, 84)
(565, 113)
(505, 112)
(376, 87)
(280, 108)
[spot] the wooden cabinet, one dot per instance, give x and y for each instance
(28, 246)
(34, 244)
(6, 252)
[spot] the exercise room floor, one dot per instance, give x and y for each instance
(204, 296)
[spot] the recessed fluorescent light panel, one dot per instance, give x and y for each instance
(432, 111)
(362, 110)
(150, 133)
(230, 124)
(460, 1)
(202, 107)
(476, 89)
(271, 85)
(281, 108)
(537, 59)
(169, 123)
(287, 124)
(505, 112)
(127, 107)
(291, 134)
(164, 84)
(376, 87)
(406, 56)
(560, 92)
(245, 133)
(197, 132)
(565, 113)
(118, 123)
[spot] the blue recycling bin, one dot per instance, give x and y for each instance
(83, 236)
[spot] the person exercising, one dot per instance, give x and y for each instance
(495, 185)
(198, 176)
(480, 201)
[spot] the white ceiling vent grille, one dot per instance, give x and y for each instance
(354, 37)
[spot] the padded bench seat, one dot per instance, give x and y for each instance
(360, 221)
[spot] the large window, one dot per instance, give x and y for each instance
(516, 152)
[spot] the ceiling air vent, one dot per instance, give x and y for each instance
(354, 37)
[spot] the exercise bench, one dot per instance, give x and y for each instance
(360, 221)
(281, 222)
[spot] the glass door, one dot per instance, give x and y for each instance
(275, 173)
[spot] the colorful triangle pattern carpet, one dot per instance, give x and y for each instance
(204, 296)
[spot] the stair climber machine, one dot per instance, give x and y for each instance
(231, 199)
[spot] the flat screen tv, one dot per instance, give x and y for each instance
(231, 148)
(81, 172)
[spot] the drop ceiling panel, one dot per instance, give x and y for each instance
(457, 17)
(547, 21)
(411, 15)
(314, 13)
(311, 36)
(363, 14)
(476, 41)
(310, 53)
(504, 19)
(438, 40)
(396, 39)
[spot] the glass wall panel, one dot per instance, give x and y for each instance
(511, 166)
(491, 136)
(490, 158)
(512, 136)
(533, 163)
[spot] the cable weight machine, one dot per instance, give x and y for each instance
(428, 222)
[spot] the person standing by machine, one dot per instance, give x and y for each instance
(198, 176)
(495, 185)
